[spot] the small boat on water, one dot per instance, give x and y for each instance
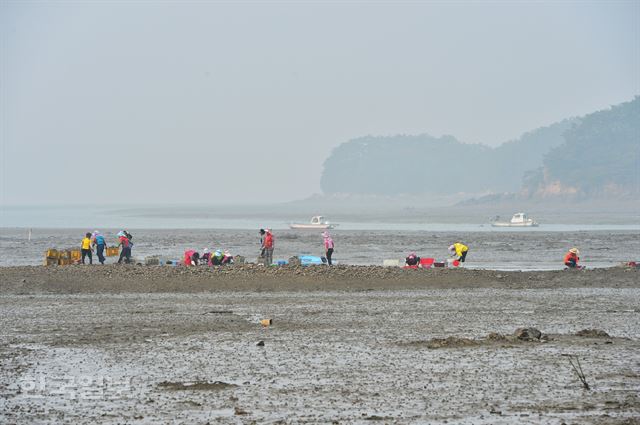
(518, 220)
(317, 222)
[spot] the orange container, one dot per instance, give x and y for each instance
(112, 251)
(426, 263)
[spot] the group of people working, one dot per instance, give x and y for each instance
(217, 258)
(98, 242)
(267, 243)
(458, 249)
(267, 246)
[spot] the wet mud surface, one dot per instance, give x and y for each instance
(150, 345)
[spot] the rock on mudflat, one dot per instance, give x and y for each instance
(593, 333)
(528, 334)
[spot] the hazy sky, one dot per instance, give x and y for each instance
(150, 101)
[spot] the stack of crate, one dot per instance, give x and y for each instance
(76, 256)
(65, 257)
(51, 257)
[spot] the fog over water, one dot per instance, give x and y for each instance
(214, 102)
(194, 124)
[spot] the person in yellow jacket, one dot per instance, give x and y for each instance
(459, 250)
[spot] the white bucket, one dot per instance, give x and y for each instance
(391, 263)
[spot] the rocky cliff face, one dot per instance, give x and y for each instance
(600, 158)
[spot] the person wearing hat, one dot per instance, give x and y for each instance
(216, 258)
(228, 258)
(205, 255)
(412, 259)
(571, 259)
(328, 246)
(125, 243)
(100, 243)
(459, 250)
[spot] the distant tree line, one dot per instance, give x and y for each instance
(600, 156)
(592, 155)
(426, 164)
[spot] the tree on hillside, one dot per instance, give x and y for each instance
(601, 152)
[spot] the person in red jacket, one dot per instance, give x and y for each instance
(124, 239)
(191, 258)
(268, 244)
(571, 259)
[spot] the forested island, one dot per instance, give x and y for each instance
(591, 156)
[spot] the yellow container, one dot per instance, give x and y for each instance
(112, 251)
(266, 322)
(64, 261)
(64, 254)
(52, 253)
(76, 254)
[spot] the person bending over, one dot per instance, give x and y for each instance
(191, 258)
(571, 259)
(100, 243)
(459, 250)
(412, 259)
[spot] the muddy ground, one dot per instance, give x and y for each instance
(130, 278)
(348, 345)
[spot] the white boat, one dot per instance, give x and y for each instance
(317, 222)
(518, 220)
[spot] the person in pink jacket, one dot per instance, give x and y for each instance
(328, 246)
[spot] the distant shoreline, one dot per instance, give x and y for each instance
(408, 226)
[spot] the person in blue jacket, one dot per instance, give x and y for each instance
(100, 243)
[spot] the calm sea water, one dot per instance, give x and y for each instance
(157, 232)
